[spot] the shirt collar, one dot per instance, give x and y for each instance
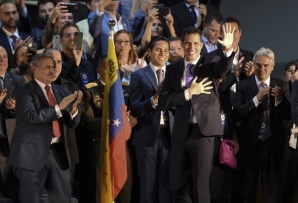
(2, 76)
(196, 4)
(194, 62)
(8, 34)
(267, 82)
(206, 42)
(42, 85)
(155, 68)
(114, 17)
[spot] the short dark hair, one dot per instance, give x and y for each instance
(88, 1)
(154, 41)
(36, 60)
(50, 49)
(213, 16)
(172, 39)
(8, 1)
(190, 30)
(42, 2)
(231, 20)
(102, 58)
(67, 25)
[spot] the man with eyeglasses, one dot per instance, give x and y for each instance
(74, 67)
(176, 50)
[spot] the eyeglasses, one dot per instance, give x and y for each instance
(120, 42)
(291, 71)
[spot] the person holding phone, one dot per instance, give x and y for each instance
(74, 67)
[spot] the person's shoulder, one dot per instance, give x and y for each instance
(246, 53)
(245, 82)
(178, 6)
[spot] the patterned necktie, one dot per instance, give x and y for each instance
(189, 75)
(2, 118)
(193, 13)
(56, 126)
(14, 41)
(160, 75)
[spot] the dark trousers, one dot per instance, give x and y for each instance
(153, 168)
(196, 153)
(55, 176)
(261, 160)
(292, 177)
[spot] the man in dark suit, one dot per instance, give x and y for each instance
(197, 115)
(9, 82)
(261, 103)
(39, 152)
(189, 13)
(10, 37)
(151, 136)
(242, 63)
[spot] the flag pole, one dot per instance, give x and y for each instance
(112, 24)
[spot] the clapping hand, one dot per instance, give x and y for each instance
(76, 101)
(227, 36)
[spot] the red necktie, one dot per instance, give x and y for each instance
(56, 127)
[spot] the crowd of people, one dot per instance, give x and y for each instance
(187, 85)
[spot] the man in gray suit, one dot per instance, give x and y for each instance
(8, 83)
(39, 148)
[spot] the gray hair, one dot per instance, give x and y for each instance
(37, 59)
(265, 52)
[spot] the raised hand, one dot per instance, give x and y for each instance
(102, 4)
(200, 87)
(169, 20)
(148, 4)
(57, 11)
(67, 100)
(276, 93)
(202, 10)
(227, 35)
(77, 54)
(152, 15)
(249, 68)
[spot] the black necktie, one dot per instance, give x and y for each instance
(193, 13)
(14, 41)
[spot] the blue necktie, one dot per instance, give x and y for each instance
(193, 13)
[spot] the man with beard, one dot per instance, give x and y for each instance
(10, 37)
(45, 11)
(74, 68)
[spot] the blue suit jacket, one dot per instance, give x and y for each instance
(143, 85)
(5, 43)
(33, 133)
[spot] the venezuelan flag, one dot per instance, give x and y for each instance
(114, 134)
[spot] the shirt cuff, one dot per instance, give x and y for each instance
(99, 13)
(186, 95)
(140, 13)
(228, 53)
(152, 103)
(72, 116)
(256, 101)
(58, 111)
(24, 12)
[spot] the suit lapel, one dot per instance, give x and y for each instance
(151, 76)
(253, 86)
(40, 93)
(8, 84)
(56, 93)
(272, 99)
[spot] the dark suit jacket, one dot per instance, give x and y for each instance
(143, 86)
(93, 119)
(11, 83)
(251, 117)
(206, 108)
(33, 134)
(182, 16)
(5, 43)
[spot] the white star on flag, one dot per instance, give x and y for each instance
(116, 122)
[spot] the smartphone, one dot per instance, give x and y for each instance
(78, 40)
(32, 48)
(163, 11)
(71, 7)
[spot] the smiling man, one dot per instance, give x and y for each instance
(197, 115)
(152, 138)
(262, 103)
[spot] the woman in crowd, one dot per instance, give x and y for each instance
(289, 165)
(20, 63)
(221, 176)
